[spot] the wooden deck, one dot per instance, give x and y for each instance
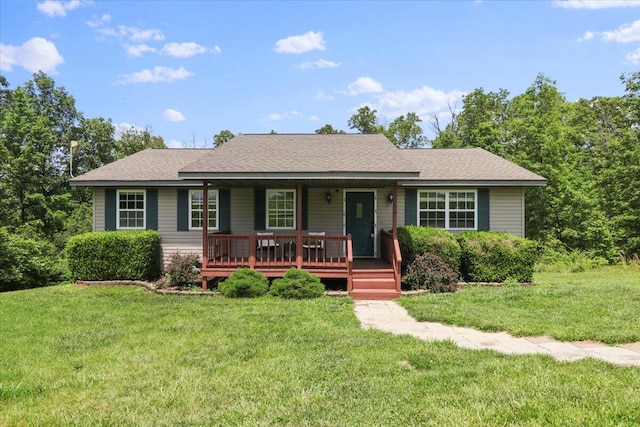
(327, 256)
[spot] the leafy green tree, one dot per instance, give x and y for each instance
(328, 130)
(133, 140)
(222, 137)
(365, 121)
(405, 132)
(35, 131)
(97, 145)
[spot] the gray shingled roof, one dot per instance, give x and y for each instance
(147, 166)
(302, 154)
(468, 165)
(346, 156)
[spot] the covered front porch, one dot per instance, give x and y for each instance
(325, 254)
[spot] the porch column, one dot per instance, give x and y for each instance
(394, 222)
(205, 229)
(299, 227)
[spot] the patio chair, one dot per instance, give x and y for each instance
(266, 248)
(313, 245)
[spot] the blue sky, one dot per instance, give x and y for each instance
(189, 69)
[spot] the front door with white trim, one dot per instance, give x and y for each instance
(360, 221)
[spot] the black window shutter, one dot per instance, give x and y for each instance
(259, 208)
(152, 209)
(305, 208)
(483, 209)
(410, 206)
(109, 209)
(224, 205)
(183, 209)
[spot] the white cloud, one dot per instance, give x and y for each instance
(314, 118)
(625, 33)
(99, 21)
(424, 101)
(363, 85)
(132, 33)
(36, 54)
(301, 44)
(174, 144)
(185, 50)
(124, 127)
(53, 8)
(320, 63)
(634, 57)
(172, 115)
(138, 49)
(156, 75)
(587, 36)
(595, 4)
(282, 116)
(321, 95)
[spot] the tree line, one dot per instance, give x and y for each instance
(589, 151)
(38, 122)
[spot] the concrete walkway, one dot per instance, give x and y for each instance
(388, 316)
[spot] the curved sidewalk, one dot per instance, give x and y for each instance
(390, 317)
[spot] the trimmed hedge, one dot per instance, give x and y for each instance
(115, 255)
(27, 263)
(416, 240)
(244, 283)
(297, 284)
(495, 257)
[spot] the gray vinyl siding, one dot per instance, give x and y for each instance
(98, 209)
(241, 210)
(325, 216)
(172, 239)
(507, 210)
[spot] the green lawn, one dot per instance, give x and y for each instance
(601, 305)
(117, 356)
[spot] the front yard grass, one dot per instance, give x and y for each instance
(73, 355)
(599, 305)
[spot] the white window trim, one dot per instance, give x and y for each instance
(446, 206)
(295, 207)
(144, 208)
(217, 227)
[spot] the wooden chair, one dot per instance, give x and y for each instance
(313, 245)
(266, 248)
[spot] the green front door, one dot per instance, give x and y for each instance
(360, 222)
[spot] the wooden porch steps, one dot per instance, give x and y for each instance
(374, 284)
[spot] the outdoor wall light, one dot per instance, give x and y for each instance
(328, 196)
(390, 198)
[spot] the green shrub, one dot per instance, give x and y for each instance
(115, 255)
(493, 257)
(297, 284)
(183, 270)
(429, 272)
(416, 240)
(28, 263)
(244, 283)
(557, 258)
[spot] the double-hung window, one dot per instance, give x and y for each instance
(451, 210)
(281, 209)
(131, 209)
(196, 204)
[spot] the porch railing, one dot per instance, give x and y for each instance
(224, 250)
(391, 253)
